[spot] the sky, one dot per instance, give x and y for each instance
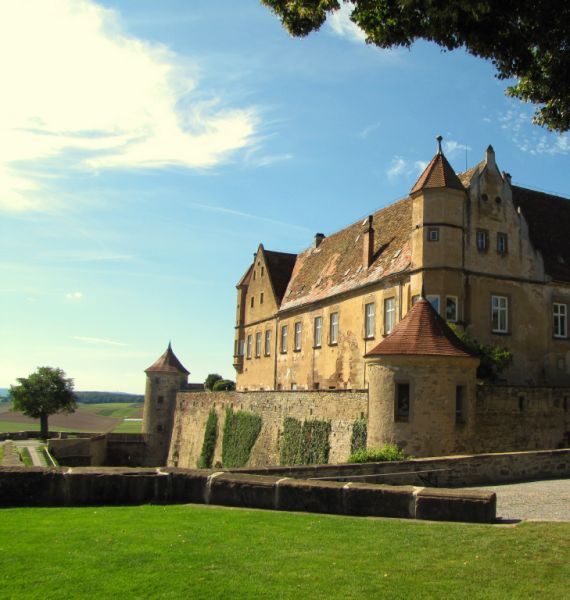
(147, 148)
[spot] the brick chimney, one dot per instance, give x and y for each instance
(319, 237)
(367, 242)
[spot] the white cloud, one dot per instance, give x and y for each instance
(341, 25)
(530, 138)
(453, 148)
(74, 296)
(400, 167)
(78, 92)
(369, 129)
(97, 341)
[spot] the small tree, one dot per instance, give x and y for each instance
(43, 393)
(210, 380)
(224, 385)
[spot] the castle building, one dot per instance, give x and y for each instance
(492, 258)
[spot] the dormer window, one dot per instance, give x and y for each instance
(433, 234)
(502, 243)
(482, 240)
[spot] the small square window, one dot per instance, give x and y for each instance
(402, 408)
(433, 234)
(502, 243)
(482, 240)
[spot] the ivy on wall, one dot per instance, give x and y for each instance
(209, 443)
(359, 435)
(305, 443)
(241, 430)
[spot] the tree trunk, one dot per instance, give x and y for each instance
(44, 429)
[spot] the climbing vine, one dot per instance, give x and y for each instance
(241, 430)
(359, 435)
(209, 443)
(305, 443)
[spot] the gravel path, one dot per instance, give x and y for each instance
(547, 500)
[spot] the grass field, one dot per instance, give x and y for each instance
(211, 552)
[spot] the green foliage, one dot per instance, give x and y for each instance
(211, 380)
(525, 41)
(241, 430)
(494, 359)
(359, 435)
(209, 444)
(305, 443)
(25, 457)
(43, 393)
(388, 452)
(224, 385)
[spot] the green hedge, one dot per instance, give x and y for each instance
(241, 430)
(359, 435)
(305, 443)
(387, 452)
(209, 443)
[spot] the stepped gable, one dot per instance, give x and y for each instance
(421, 332)
(335, 266)
(438, 174)
(548, 219)
(168, 363)
(280, 266)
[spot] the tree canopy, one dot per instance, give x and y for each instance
(211, 380)
(528, 41)
(43, 393)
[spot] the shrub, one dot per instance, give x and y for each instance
(211, 380)
(305, 443)
(359, 435)
(388, 452)
(224, 385)
(241, 430)
(209, 443)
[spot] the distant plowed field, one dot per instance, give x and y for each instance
(88, 417)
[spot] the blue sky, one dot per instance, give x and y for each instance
(148, 147)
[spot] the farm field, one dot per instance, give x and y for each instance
(88, 418)
(190, 551)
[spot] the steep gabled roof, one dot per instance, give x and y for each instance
(421, 332)
(438, 174)
(548, 219)
(335, 266)
(280, 266)
(168, 363)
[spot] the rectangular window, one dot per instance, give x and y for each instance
(334, 328)
(434, 301)
(241, 347)
(267, 342)
(560, 312)
(451, 309)
(433, 234)
(252, 301)
(402, 408)
(460, 407)
(261, 298)
(369, 320)
(318, 334)
(249, 346)
(482, 240)
(258, 344)
(293, 387)
(389, 315)
(502, 243)
(499, 314)
(297, 336)
(284, 338)
(262, 271)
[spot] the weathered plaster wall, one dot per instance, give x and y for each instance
(341, 408)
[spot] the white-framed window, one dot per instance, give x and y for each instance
(499, 314)
(451, 309)
(334, 328)
(389, 315)
(258, 344)
(502, 243)
(482, 240)
(249, 346)
(434, 301)
(267, 342)
(318, 332)
(369, 320)
(298, 335)
(560, 314)
(433, 234)
(284, 338)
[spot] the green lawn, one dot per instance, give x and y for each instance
(113, 409)
(210, 552)
(128, 427)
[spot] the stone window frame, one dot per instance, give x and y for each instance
(248, 346)
(456, 319)
(482, 235)
(334, 322)
(318, 339)
(433, 234)
(297, 336)
(461, 415)
(257, 344)
(502, 239)
(398, 418)
(267, 349)
(283, 339)
(500, 330)
(563, 318)
(369, 320)
(388, 330)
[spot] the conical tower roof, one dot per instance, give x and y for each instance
(438, 174)
(421, 332)
(168, 363)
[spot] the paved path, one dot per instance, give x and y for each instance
(547, 500)
(38, 459)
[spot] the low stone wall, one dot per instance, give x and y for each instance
(339, 407)
(126, 449)
(79, 452)
(90, 486)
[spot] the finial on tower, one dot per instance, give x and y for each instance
(439, 139)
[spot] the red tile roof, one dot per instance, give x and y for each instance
(439, 173)
(421, 332)
(168, 363)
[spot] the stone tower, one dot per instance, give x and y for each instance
(164, 379)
